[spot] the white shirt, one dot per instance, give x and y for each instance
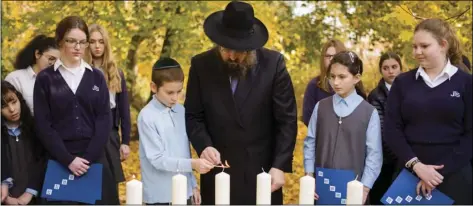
(23, 80)
(72, 76)
(388, 85)
(113, 103)
(448, 71)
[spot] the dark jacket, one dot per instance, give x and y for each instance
(25, 161)
(121, 112)
(6, 165)
(312, 95)
(69, 124)
(433, 124)
(378, 98)
(253, 129)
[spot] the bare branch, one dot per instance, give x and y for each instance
(458, 15)
(412, 14)
(454, 17)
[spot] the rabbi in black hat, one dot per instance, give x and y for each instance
(240, 106)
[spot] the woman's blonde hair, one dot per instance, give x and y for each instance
(339, 47)
(109, 67)
(441, 30)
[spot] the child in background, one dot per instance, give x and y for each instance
(164, 145)
(348, 133)
(23, 153)
(41, 52)
(390, 66)
(99, 55)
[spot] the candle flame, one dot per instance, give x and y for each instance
(133, 177)
(223, 166)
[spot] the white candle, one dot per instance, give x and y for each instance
(263, 189)
(222, 189)
(179, 189)
(134, 192)
(354, 193)
(307, 190)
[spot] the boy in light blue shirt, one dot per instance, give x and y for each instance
(164, 146)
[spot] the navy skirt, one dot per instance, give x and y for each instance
(112, 151)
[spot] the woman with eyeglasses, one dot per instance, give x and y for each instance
(38, 54)
(72, 104)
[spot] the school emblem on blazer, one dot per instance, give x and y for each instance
(455, 94)
(96, 88)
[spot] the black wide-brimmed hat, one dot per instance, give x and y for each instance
(236, 27)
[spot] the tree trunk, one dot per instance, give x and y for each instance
(166, 49)
(134, 99)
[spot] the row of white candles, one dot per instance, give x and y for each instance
(134, 189)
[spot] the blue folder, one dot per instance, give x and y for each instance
(331, 185)
(403, 192)
(61, 185)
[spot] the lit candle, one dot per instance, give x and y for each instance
(263, 189)
(354, 193)
(179, 189)
(134, 192)
(307, 190)
(222, 189)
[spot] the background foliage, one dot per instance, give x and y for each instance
(143, 31)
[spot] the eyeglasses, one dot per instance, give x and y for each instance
(73, 43)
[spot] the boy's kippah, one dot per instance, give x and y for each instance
(165, 63)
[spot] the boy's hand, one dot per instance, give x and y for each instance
(366, 191)
(202, 166)
(212, 155)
